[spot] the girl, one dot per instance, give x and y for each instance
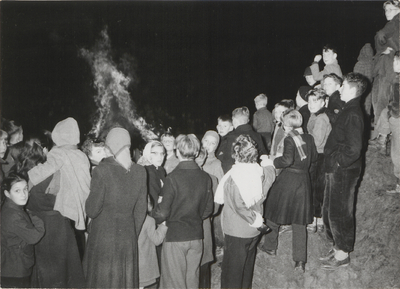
(149, 238)
(289, 201)
(19, 232)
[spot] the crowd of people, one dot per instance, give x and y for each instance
(91, 215)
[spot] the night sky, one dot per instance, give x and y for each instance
(193, 60)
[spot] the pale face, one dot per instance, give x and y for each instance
(168, 143)
(157, 155)
(310, 80)
(210, 144)
(18, 193)
(278, 111)
(347, 92)
(315, 104)
(330, 86)
(300, 101)
(224, 127)
(391, 11)
(396, 64)
(328, 56)
(3, 147)
(97, 154)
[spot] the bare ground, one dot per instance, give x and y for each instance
(375, 262)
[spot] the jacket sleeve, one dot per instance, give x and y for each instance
(140, 209)
(210, 200)
(45, 170)
(163, 210)
(31, 233)
(287, 159)
(153, 184)
(256, 122)
(321, 132)
(95, 200)
(156, 235)
(350, 150)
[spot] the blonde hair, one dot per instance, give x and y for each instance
(188, 145)
(261, 99)
(292, 118)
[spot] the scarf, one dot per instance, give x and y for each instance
(247, 178)
(295, 134)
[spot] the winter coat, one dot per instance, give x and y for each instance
(335, 106)
(213, 166)
(236, 217)
(187, 201)
(117, 205)
(319, 127)
(365, 61)
(225, 152)
(155, 181)
(344, 145)
(170, 163)
(328, 69)
(263, 121)
(305, 113)
(289, 200)
(19, 232)
(149, 238)
(72, 187)
(58, 264)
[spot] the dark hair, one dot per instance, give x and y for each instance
(89, 143)
(397, 53)
(33, 156)
(188, 145)
(10, 127)
(336, 78)
(19, 151)
(395, 3)
(358, 81)
(225, 117)
(329, 47)
(8, 182)
(288, 103)
(244, 149)
(319, 93)
(167, 134)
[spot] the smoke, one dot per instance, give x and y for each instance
(114, 103)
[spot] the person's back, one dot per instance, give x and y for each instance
(263, 121)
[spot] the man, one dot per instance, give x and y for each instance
(343, 162)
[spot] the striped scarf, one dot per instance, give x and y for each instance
(295, 134)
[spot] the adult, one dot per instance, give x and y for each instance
(117, 205)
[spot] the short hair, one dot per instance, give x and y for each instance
(244, 149)
(242, 114)
(225, 117)
(89, 143)
(28, 160)
(188, 145)
(317, 92)
(292, 118)
(167, 134)
(9, 181)
(336, 78)
(288, 103)
(358, 81)
(262, 99)
(397, 53)
(329, 47)
(3, 135)
(395, 3)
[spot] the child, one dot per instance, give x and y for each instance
(19, 232)
(96, 150)
(187, 201)
(224, 125)
(212, 165)
(331, 85)
(289, 201)
(171, 161)
(319, 127)
(149, 238)
(331, 64)
(309, 77)
(263, 121)
(71, 187)
(302, 106)
(242, 191)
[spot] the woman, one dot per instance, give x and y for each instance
(289, 202)
(117, 205)
(242, 191)
(58, 264)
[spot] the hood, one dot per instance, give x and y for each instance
(66, 132)
(366, 53)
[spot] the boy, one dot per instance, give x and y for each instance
(331, 84)
(319, 127)
(95, 150)
(329, 55)
(224, 127)
(171, 161)
(263, 121)
(343, 161)
(187, 201)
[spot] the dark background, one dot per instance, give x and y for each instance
(194, 60)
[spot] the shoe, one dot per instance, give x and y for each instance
(395, 190)
(328, 255)
(333, 263)
(269, 252)
(299, 266)
(285, 228)
(264, 229)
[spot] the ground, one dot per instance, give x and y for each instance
(375, 262)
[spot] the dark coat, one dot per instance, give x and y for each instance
(289, 201)
(305, 113)
(225, 150)
(57, 264)
(117, 205)
(335, 106)
(187, 200)
(155, 179)
(19, 232)
(345, 142)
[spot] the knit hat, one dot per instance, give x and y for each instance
(117, 139)
(303, 90)
(213, 134)
(307, 71)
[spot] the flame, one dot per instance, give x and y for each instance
(112, 87)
